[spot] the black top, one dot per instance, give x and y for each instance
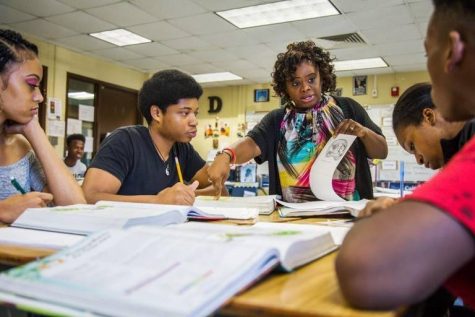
(130, 155)
(266, 135)
(452, 146)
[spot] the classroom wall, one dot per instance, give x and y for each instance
(60, 61)
(237, 100)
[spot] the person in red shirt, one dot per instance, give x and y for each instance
(403, 254)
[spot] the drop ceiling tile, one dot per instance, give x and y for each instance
(10, 15)
(146, 63)
(81, 22)
(39, 8)
(421, 10)
(354, 53)
(401, 47)
(214, 55)
(207, 23)
(169, 9)
(250, 50)
(363, 5)
(43, 29)
(87, 4)
(392, 34)
(122, 14)
(235, 66)
(409, 68)
(381, 17)
(84, 43)
(230, 39)
(406, 59)
(152, 49)
(188, 43)
(159, 31)
(179, 59)
(220, 5)
(325, 26)
(117, 53)
(200, 68)
(268, 33)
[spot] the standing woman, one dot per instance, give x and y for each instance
(291, 138)
(25, 152)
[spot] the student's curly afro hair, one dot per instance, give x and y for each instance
(286, 65)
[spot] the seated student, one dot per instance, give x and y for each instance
(401, 255)
(291, 138)
(27, 155)
(421, 131)
(138, 164)
(75, 144)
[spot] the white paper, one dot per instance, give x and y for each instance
(88, 146)
(74, 126)
(56, 128)
(389, 165)
(37, 238)
(86, 113)
(321, 174)
(54, 108)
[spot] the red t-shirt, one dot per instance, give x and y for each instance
(453, 191)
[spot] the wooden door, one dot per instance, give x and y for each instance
(116, 107)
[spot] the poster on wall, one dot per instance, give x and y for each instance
(86, 113)
(54, 108)
(74, 126)
(55, 128)
(359, 85)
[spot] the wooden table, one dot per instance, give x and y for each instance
(311, 290)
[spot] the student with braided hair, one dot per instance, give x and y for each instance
(28, 162)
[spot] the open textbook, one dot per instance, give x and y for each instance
(184, 270)
(85, 219)
(320, 208)
(265, 204)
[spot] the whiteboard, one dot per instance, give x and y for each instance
(388, 169)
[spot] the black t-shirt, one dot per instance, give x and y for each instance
(452, 146)
(129, 154)
(266, 135)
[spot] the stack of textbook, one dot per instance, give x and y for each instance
(187, 269)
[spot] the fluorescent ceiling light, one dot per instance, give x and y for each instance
(278, 12)
(359, 64)
(120, 37)
(210, 77)
(80, 95)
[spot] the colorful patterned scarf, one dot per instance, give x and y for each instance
(303, 135)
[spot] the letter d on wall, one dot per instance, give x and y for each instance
(215, 104)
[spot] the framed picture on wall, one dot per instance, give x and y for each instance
(261, 95)
(359, 85)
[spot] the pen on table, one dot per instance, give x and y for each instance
(17, 185)
(178, 169)
(401, 178)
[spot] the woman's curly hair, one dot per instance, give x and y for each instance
(286, 65)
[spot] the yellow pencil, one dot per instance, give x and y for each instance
(178, 169)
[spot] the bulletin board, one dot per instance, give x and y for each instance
(388, 169)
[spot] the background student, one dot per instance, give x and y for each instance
(75, 144)
(421, 131)
(401, 255)
(291, 138)
(138, 163)
(26, 153)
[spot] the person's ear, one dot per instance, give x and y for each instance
(156, 113)
(429, 116)
(456, 51)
